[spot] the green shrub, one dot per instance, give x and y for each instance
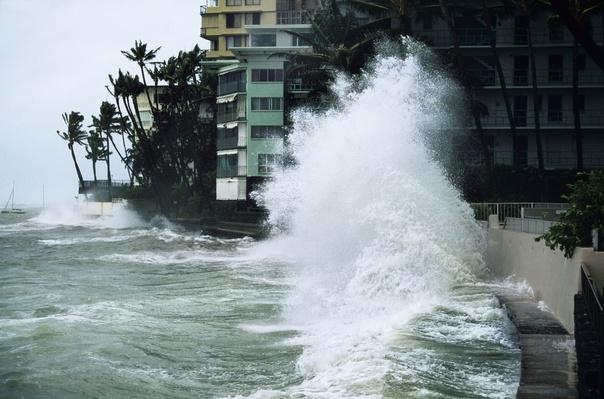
(585, 213)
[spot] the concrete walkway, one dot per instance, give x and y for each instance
(548, 357)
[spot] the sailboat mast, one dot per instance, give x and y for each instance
(12, 204)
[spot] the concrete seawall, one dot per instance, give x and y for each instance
(553, 278)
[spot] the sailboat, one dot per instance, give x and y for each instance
(11, 200)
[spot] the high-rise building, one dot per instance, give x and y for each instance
(250, 43)
(553, 46)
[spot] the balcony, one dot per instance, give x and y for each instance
(552, 119)
(545, 77)
(90, 186)
(232, 171)
(292, 17)
(203, 9)
(479, 37)
(226, 143)
(300, 85)
(551, 159)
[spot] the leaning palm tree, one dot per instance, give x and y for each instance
(74, 135)
(141, 56)
(107, 123)
(572, 13)
(338, 40)
(528, 8)
(95, 151)
(488, 12)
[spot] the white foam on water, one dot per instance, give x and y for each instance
(171, 258)
(121, 217)
(374, 230)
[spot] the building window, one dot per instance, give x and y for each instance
(520, 23)
(264, 40)
(233, 2)
(581, 62)
(427, 21)
(227, 112)
(521, 70)
(267, 104)
(581, 102)
(227, 166)
(268, 163)
(267, 132)
(252, 18)
(556, 32)
(236, 41)
(252, 2)
(231, 83)
(555, 72)
(298, 41)
(233, 20)
(226, 138)
(267, 75)
(521, 149)
(520, 107)
(554, 108)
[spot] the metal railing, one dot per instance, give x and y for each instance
(232, 171)
(229, 87)
(103, 184)
(545, 77)
(562, 118)
(503, 37)
(504, 210)
(531, 226)
(551, 159)
(292, 17)
(226, 143)
(300, 84)
(595, 311)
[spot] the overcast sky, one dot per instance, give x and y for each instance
(55, 56)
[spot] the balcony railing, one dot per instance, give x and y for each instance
(292, 17)
(203, 8)
(551, 159)
(505, 210)
(545, 77)
(101, 185)
(299, 84)
(227, 143)
(503, 37)
(231, 116)
(232, 171)
(552, 118)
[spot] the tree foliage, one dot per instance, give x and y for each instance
(585, 213)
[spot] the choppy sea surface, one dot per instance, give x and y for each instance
(122, 308)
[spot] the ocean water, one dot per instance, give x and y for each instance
(123, 309)
(373, 285)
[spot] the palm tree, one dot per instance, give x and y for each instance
(488, 20)
(528, 9)
(128, 87)
(74, 135)
(392, 11)
(107, 123)
(576, 109)
(338, 41)
(95, 151)
(141, 56)
(573, 13)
